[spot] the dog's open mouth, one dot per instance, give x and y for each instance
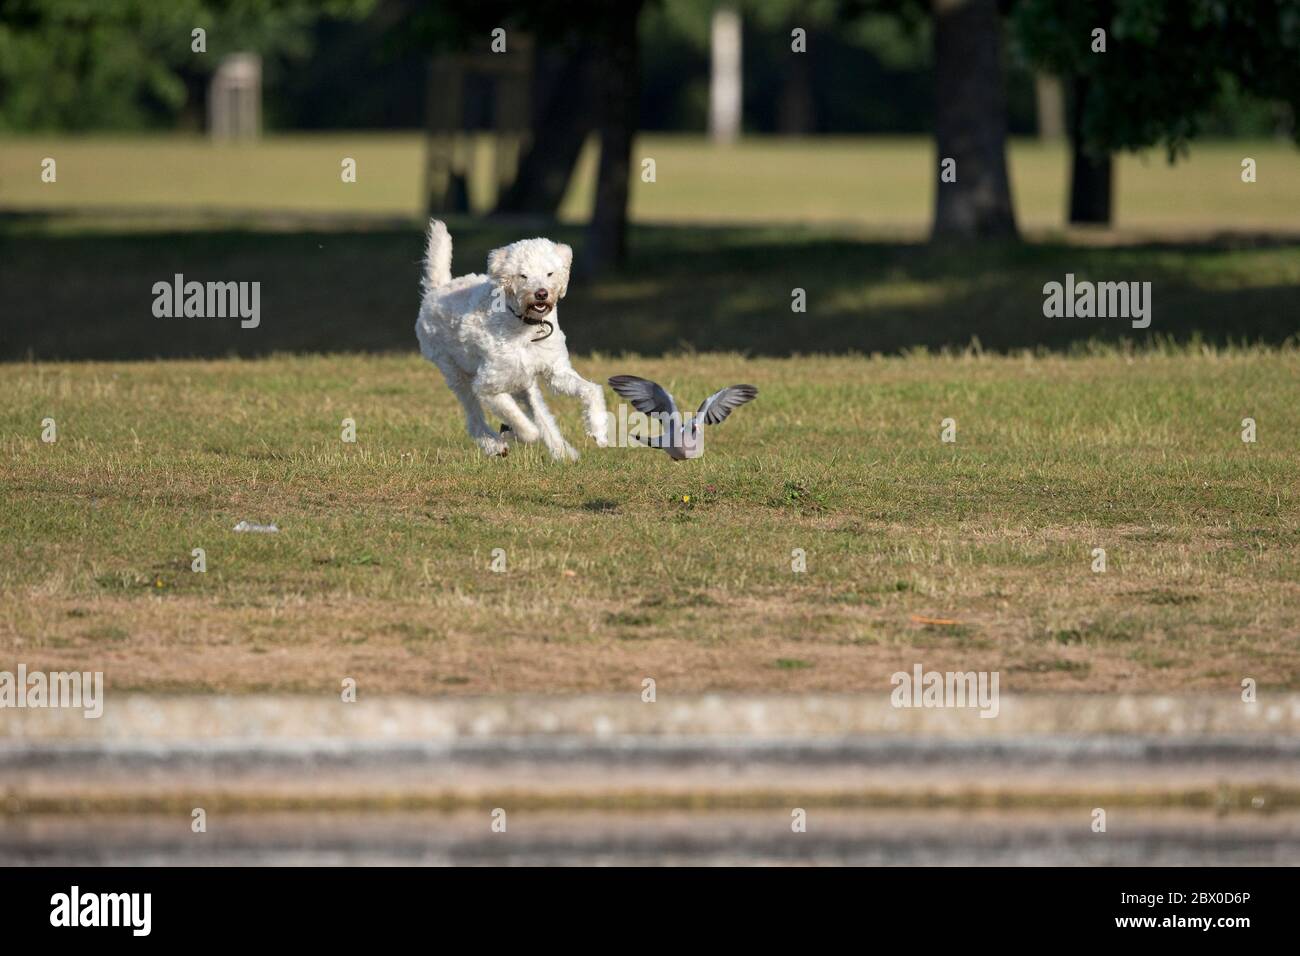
(538, 310)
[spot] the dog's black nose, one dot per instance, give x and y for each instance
(540, 295)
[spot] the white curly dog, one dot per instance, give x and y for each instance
(494, 336)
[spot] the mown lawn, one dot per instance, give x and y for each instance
(380, 570)
(1118, 439)
(884, 185)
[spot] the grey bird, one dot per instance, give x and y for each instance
(680, 436)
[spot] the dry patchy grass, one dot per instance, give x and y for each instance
(380, 570)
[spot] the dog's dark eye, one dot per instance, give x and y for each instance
(549, 274)
(522, 276)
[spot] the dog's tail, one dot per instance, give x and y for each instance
(437, 256)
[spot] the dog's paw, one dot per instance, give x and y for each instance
(565, 453)
(493, 447)
(600, 438)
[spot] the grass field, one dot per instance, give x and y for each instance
(726, 236)
(881, 184)
(380, 570)
(625, 565)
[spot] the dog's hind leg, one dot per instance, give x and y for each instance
(505, 407)
(475, 422)
(521, 398)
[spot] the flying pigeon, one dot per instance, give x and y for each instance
(680, 436)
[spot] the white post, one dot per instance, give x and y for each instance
(1050, 96)
(726, 79)
(235, 98)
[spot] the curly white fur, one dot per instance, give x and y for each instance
(485, 333)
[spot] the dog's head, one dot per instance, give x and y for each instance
(534, 274)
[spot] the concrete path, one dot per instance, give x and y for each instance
(161, 754)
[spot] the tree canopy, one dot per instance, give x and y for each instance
(1165, 62)
(124, 64)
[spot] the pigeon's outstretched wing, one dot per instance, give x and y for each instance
(645, 395)
(718, 406)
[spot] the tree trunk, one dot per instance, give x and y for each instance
(1091, 175)
(561, 122)
(796, 109)
(618, 93)
(971, 121)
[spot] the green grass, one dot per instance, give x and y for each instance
(1095, 435)
(883, 184)
(381, 569)
(339, 263)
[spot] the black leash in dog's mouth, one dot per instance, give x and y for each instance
(550, 327)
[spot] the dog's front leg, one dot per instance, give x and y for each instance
(548, 426)
(566, 381)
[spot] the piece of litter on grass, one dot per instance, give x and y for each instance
(264, 528)
(919, 619)
(569, 574)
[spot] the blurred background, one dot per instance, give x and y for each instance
(706, 158)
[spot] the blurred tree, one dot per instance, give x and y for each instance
(618, 79)
(561, 108)
(1166, 63)
(674, 66)
(360, 75)
(587, 81)
(970, 121)
(795, 107)
(562, 119)
(124, 64)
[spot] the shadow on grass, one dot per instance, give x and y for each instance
(67, 295)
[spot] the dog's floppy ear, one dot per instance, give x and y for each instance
(496, 263)
(566, 256)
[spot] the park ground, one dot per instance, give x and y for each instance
(976, 554)
(721, 241)
(1071, 435)
(881, 184)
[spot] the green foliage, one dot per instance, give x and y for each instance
(127, 64)
(1166, 61)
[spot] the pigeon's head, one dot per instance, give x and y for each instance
(534, 274)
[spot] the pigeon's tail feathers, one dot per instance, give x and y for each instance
(719, 405)
(646, 396)
(437, 256)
